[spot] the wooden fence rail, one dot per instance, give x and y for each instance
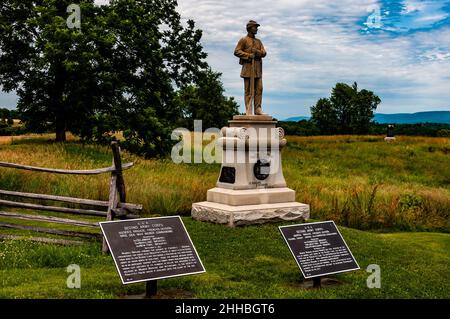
(115, 207)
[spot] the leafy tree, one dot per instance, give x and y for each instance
(153, 56)
(52, 68)
(324, 116)
(363, 104)
(120, 72)
(14, 114)
(347, 111)
(7, 117)
(4, 114)
(205, 101)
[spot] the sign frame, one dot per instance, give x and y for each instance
(324, 274)
(156, 278)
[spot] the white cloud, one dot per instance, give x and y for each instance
(312, 45)
(412, 6)
(432, 18)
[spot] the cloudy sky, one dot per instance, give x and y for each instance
(398, 49)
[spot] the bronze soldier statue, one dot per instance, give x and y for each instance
(250, 52)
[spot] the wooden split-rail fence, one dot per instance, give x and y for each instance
(115, 207)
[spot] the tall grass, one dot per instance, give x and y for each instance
(359, 181)
(366, 183)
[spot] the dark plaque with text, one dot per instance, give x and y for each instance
(228, 175)
(318, 249)
(151, 248)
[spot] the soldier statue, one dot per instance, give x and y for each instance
(250, 52)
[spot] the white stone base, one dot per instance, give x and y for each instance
(249, 214)
(250, 196)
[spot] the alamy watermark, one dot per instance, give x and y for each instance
(74, 279)
(374, 19)
(238, 145)
(374, 279)
(74, 19)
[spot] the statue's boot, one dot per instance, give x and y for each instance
(258, 111)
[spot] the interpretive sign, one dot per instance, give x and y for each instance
(151, 248)
(318, 249)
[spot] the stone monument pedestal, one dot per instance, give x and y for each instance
(251, 188)
(390, 137)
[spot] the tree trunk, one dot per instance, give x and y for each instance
(60, 128)
(61, 136)
(58, 102)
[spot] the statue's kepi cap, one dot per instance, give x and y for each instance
(252, 22)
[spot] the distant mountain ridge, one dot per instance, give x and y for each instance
(400, 118)
(297, 118)
(413, 118)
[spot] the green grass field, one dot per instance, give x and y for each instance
(391, 200)
(251, 262)
(358, 181)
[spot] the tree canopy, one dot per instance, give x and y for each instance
(205, 100)
(347, 111)
(121, 71)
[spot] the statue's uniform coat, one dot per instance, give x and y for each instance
(244, 50)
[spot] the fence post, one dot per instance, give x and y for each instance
(113, 189)
(118, 165)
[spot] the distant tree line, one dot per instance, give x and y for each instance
(7, 126)
(308, 128)
(419, 129)
(7, 116)
(300, 128)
